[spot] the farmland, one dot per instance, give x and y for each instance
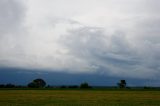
(79, 98)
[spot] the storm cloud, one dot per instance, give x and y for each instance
(116, 38)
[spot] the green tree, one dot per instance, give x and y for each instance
(37, 83)
(84, 85)
(122, 84)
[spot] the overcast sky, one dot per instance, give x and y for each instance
(112, 37)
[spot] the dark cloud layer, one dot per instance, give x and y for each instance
(23, 76)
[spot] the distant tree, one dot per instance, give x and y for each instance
(85, 85)
(63, 86)
(73, 86)
(2, 85)
(122, 84)
(37, 83)
(32, 85)
(9, 86)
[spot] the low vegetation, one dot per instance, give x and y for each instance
(36, 93)
(78, 98)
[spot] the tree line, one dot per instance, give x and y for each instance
(40, 83)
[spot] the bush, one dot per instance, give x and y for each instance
(85, 85)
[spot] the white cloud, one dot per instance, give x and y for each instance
(119, 38)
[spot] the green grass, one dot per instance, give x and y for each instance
(79, 98)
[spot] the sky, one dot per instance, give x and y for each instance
(115, 38)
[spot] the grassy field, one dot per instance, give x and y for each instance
(79, 98)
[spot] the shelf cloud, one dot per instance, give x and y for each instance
(116, 38)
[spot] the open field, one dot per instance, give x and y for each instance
(79, 98)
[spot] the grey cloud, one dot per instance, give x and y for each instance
(128, 45)
(12, 31)
(12, 12)
(114, 54)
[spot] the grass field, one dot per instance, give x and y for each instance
(78, 98)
